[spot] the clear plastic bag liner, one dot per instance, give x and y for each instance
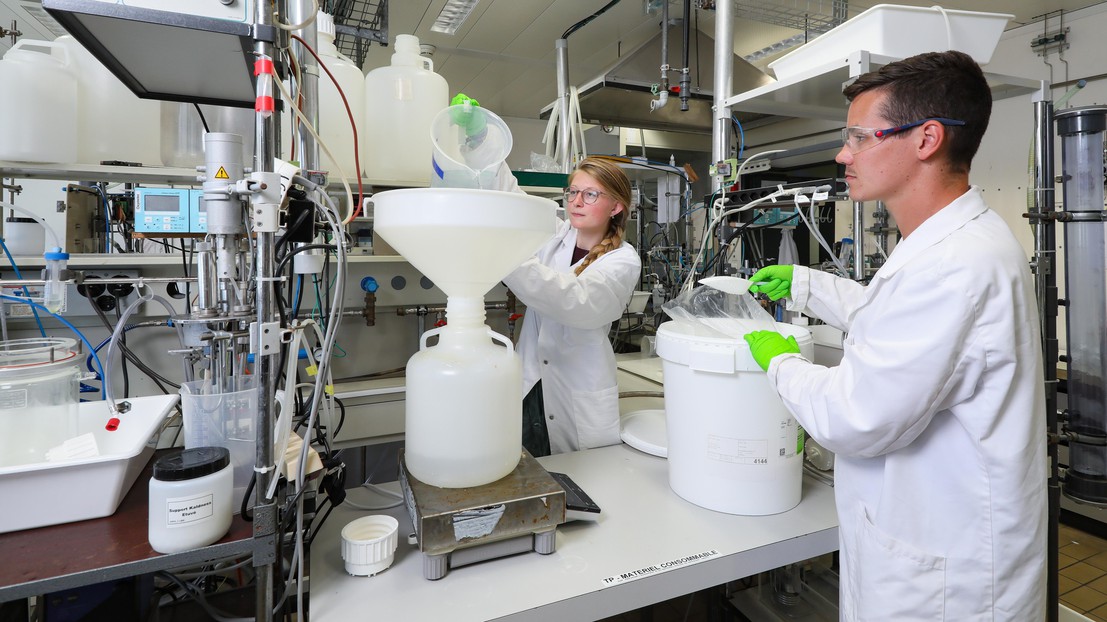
(726, 314)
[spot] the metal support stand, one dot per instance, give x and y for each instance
(1046, 289)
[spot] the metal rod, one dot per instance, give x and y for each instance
(564, 123)
(1046, 291)
(858, 241)
(265, 140)
(299, 11)
(723, 85)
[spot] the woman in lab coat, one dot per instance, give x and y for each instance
(936, 413)
(574, 288)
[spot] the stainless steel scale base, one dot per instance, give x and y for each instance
(460, 526)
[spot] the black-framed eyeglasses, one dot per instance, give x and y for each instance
(858, 139)
(588, 196)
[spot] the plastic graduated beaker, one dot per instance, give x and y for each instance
(470, 143)
(224, 416)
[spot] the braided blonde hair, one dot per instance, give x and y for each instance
(614, 182)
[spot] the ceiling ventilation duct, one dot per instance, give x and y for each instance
(622, 94)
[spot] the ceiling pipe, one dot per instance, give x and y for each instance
(685, 77)
(663, 91)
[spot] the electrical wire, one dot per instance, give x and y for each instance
(322, 145)
(356, 210)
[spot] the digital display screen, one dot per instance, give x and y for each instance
(162, 203)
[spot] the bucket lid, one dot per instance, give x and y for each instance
(703, 349)
(35, 352)
(19, 219)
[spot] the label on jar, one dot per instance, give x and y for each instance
(181, 511)
(11, 399)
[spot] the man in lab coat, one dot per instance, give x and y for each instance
(936, 412)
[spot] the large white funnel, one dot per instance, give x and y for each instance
(464, 240)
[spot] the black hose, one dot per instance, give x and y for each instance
(577, 26)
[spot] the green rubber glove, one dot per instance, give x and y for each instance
(765, 344)
(773, 281)
(468, 116)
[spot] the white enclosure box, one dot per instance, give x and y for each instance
(900, 31)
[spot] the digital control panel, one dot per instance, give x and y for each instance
(198, 212)
(170, 210)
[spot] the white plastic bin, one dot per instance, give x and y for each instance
(733, 446)
(900, 31)
(828, 344)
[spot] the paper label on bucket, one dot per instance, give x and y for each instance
(757, 451)
(182, 511)
(737, 450)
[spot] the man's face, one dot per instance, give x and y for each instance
(875, 167)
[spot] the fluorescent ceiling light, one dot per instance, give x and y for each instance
(453, 15)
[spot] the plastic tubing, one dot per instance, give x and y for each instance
(53, 236)
(68, 325)
(120, 327)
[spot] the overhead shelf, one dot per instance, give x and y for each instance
(817, 92)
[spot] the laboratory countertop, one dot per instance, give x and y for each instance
(664, 545)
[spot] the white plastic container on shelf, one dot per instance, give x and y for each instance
(112, 122)
(334, 122)
(401, 101)
(733, 446)
(38, 111)
(900, 31)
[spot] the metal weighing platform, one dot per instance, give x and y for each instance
(459, 526)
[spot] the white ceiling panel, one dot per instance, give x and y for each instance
(504, 53)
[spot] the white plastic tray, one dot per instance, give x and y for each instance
(52, 493)
(900, 31)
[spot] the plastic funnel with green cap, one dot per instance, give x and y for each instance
(470, 145)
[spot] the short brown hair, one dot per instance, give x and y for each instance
(936, 84)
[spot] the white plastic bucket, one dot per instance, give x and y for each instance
(38, 112)
(24, 237)
(401, 100)
(733, 446)
(470, 144)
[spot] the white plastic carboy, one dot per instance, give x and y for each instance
(464, 394)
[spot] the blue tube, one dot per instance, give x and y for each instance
(70, 326)
(26, 293)
(741, 136)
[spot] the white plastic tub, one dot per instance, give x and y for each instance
(828, 344)
(52, 493)
(900, 31)
(732, 445)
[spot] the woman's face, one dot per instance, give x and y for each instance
(592, 218)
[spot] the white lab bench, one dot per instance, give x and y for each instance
(643, 524)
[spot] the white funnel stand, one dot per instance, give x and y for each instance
(464, 395)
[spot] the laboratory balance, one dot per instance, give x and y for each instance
(456, 527)
(472, 492)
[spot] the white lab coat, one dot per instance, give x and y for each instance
(936, 415)
(564, 343)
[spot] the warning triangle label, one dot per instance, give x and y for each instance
(222, 174)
